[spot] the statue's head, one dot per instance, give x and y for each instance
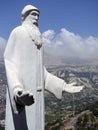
(30, 13)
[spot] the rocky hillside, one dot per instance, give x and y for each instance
(72, 106)
(69, 113)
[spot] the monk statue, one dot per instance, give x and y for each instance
(27, 76)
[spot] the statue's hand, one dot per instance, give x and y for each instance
(24, 98)
(72, 88)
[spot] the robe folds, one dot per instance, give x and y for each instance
(25, 70)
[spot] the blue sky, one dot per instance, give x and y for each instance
(69, 27)
(77, 16)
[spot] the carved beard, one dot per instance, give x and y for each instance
(35, 34)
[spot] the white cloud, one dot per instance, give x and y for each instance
(2, 47)
(48, 36)
(2, 43)
(67, 44)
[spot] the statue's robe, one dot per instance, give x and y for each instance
(24, 69)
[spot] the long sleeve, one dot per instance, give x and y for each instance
(12, 72)
(56, 85)
(53, 84)
(13, 83)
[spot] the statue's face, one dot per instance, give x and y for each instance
(33, 17)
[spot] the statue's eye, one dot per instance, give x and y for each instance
(34, 14)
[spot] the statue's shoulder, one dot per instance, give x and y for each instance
(18, 30)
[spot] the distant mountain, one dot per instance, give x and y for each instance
(2, 47)
(59, 60)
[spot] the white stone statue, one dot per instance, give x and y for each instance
(27, 77)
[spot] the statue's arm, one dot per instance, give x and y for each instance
(56, 85)
(14, 85)
(53, 84)
(19, 98)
